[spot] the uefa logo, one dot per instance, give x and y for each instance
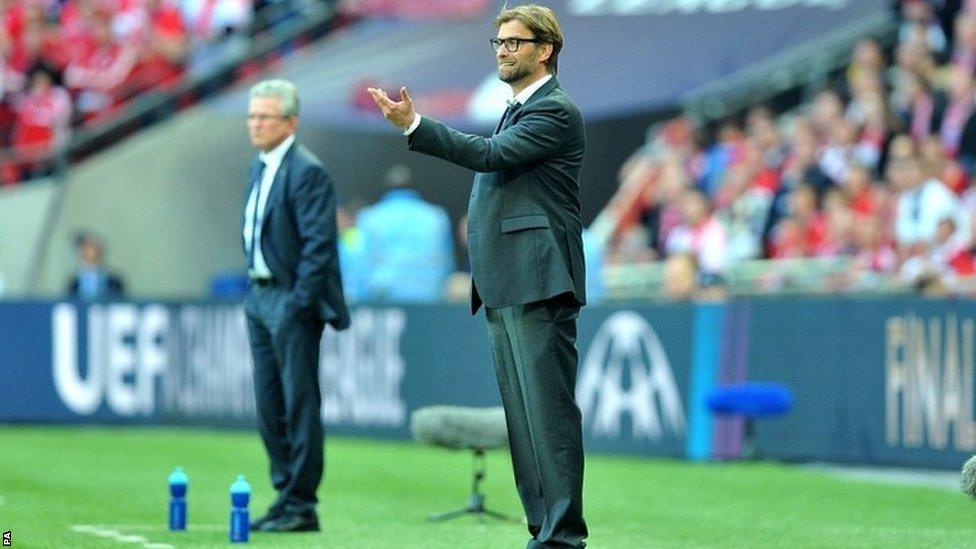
(627, 372)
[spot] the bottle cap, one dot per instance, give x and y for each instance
(178, 476)
(240, 486)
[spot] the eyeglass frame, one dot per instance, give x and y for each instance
(267, 117)
(496, 43)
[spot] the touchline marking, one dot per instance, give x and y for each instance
(116, 532)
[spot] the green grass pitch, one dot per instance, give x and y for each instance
(62, 486)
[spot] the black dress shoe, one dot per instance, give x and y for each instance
(305, 522)
(257, 523)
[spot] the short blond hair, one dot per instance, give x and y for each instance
(543, 24)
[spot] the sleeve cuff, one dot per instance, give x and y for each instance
(413, 125)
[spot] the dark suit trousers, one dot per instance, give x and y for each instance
(286, 389)
(534, 350)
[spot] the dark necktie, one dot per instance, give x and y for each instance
(509, 110)
(256, 214)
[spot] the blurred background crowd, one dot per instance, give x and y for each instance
(864, 182)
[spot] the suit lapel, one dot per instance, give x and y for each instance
(517, 111)
(249, 188)
(502, 120)
(280, 180)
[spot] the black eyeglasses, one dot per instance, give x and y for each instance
(266, 117)
(511, 44)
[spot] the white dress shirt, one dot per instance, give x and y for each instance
(259, 197)
(519, 99)
(921, 209)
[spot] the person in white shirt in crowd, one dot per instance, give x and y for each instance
(699, 234)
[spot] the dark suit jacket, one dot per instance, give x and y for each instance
(524, 229)
(299, 235)
(114, 286)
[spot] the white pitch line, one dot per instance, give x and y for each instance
(3, 500)
(116, 532)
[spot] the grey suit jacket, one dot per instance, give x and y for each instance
(524, 229)
(299, 236)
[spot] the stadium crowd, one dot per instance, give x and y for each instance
(878, 168)
(64, 63)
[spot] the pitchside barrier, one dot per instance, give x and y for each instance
(876, 381)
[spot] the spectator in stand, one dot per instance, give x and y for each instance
(865, 88)
(661, 216)
(874, 254)
(922, 110)
(680, 280)
(93, 281)
(957, 113)
(719, 156)
(12, 82)
(101, 78)
(43, 117)
(937, 165)
(744, 202)
(964, 45)
(911, 58)
(865, 198)
(840, 151)
(867, 59)
(409, 252)
(352, 248)
(875, 130)
(78, 20)
(800, 167)
(921, 204)
(162, 40)
(826, 112)
(699, 234)
(839, 221)
(951, 254)
(763, 134)
(217, 31)
(921, 26)
(804, 232)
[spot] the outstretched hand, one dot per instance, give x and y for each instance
(400, 112)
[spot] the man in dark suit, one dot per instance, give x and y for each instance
(525, 239)
(289, 235)
(93, 281)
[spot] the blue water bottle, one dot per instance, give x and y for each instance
(177, 503)
(240, 495)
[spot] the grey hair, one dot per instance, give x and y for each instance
(968, 480)
(284, 90)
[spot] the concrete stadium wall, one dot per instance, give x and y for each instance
(24, 214)
(168, 220)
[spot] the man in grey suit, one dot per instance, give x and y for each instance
(525, 239)
(289, 237)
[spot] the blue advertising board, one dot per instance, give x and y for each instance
(875, 381)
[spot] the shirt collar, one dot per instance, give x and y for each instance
(395, 194)
(275, 155)
(525, 94)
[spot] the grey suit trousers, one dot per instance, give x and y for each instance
(535, 356)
